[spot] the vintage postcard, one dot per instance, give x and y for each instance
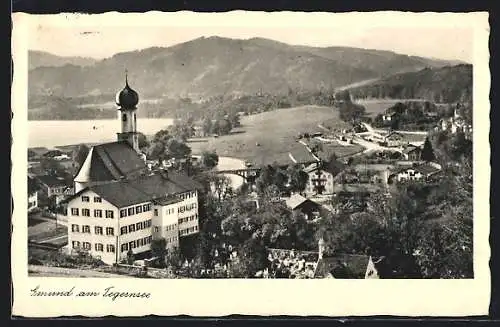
(210, 164)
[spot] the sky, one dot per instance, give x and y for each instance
(101, 40)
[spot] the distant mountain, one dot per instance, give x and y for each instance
(206, 67)
(445, 84)
(45, 59)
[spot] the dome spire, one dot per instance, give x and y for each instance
(126, 76)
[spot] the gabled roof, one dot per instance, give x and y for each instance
(392, 134)
(155, 186)
(426, 169)
(51, 181)
(111, 161)
(295, 200)
(342, 266)
(411, 148)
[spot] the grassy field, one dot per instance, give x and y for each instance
(269, 137)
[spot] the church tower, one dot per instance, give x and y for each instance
(127, 100)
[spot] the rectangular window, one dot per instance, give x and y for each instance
(144, 207)
(85, 199)
(110, 248)
(99, 247)
(86, 229)
(149, 223)
(141, 242)
(86, 212)
(124, 247)
(75, 228)
(138, 209)
(98, 230)
(123, 230)
(138, 226)
(87, 246)
(156, 229)
(97, 199)
(74, 211)
(123, 213)
(76, 244)
(130, 211)
(110, 231)
(98, 213)
(156, 212)
(131, 245)
(131, 228)
(149, 239)
(109, 213)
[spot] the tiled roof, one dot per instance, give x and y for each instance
(120, 194)
(342, 266)
(142, 189)
(166, 201)
(51, 181)
(295, 200)
(111, 161)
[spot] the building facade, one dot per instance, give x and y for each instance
(320, 180)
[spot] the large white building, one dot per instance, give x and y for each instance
(120, 205)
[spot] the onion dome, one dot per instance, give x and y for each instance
(127, 98)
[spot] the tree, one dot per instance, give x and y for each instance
(427, 151)
(143, 141)
(297, 178)
(234, 119)
(173, 258)
(209, 159)
(252, 257)
(159, 249)
(181, 130)
(395, 124)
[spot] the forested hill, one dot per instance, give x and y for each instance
(213, 66)
(446, 84)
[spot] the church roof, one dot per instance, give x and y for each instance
(111, 161)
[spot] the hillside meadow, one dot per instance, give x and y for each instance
(269, 137)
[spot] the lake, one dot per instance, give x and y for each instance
(50, 133)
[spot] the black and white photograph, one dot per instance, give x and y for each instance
(251, 152)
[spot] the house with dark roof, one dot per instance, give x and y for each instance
(309, 208)
(51, 185)
(120, 206)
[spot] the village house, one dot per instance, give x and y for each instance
(320, 179)
(416, 173)
(298, 203)
(390, 116)
(121, 206)
(51, 185)
(394, 139)
(412, 153)
(32, 195)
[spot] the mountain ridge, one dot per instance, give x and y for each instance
(210, 66)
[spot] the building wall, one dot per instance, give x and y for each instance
(32, 201)
(409, 174)
(77, 236)
(326, 179)
(166, 224)
(135, 224)
(188, 213)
